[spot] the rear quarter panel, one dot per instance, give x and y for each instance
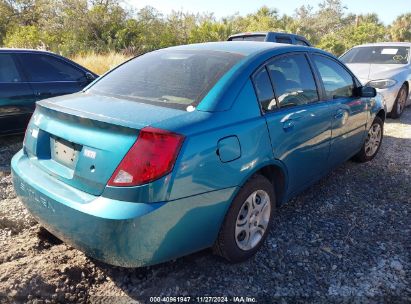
(199, 168)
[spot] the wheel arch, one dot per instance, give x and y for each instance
(276, 173)
(381, 114)
(408, 88)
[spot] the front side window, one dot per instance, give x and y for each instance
(338, 83)
(264, 90)
(8, 69)
(293, 81)
(169, 78)
(45, 68)
(378, 55)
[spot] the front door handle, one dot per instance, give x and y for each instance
(288, 125)
(340, 114)
(39, 94)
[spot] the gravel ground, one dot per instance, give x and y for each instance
(347, 238)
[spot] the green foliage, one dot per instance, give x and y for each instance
(24, 37)
(71, 27)
(332, 44)
(351, 35)
(400, 30)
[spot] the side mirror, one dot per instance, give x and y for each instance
(367, 91)
(90, 77)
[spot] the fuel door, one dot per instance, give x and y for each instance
(229, 149)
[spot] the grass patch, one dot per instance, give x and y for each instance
(100, 63)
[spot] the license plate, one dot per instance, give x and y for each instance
(64, 152)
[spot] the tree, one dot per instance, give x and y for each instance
(332, 44)
(75, 26)
(400, 30)
(24, 37)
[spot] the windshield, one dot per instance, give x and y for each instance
(170, 78)
(378, 55)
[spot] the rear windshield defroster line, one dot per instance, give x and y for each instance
(170, 78)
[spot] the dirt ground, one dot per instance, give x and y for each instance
(347, 238)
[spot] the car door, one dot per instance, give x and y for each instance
(350, 111)
(299, 123)
(17, 99)
(51, 76)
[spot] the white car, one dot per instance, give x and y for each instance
(385, 66)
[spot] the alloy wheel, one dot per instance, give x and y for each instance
(402, 98)
(373, 139)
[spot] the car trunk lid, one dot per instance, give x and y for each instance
(81, 139)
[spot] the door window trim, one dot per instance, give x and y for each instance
(277, 108)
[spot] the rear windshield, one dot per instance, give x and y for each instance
(377, 55)
(248, 38)
(170, 78)
(284, 39)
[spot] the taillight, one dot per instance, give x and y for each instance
(152, 156)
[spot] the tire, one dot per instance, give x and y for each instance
(400, 102)
(242, 220)
(370, 149)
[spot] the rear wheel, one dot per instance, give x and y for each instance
(400, 102)
(372, 142)
(248, 221)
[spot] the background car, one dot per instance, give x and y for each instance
(192, 147)
(27, 76)
(386, 67)
(271, 37)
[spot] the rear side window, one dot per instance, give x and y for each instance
(249, 38)
(254, 38)
(301, 42)
(293, 81)
(284, 39)
(338, 83)
(169, 78)
(43, 68)
(264, 90)
(237, 39)
(8, 69)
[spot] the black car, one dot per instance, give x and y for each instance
(27, 76)
(271, 37)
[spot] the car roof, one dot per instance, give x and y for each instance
(25, 50)
(21, 50)
(244, 48)
(384, 44)
(265, 33)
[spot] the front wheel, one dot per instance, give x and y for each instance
(400, 101)
(372, 142)
(247, 221)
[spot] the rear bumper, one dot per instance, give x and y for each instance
(128, 234)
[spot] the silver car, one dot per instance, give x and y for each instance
(386, 67)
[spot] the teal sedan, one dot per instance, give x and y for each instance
(192, 147)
